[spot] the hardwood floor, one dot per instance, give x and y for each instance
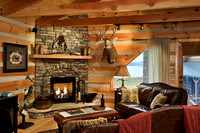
(40, 125)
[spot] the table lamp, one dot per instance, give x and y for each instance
(123, 71)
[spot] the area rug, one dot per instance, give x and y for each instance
(50, 131)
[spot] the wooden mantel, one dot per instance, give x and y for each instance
(59, 56)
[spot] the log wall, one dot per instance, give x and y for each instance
(101, 73)
(131, 42)
(16, 32)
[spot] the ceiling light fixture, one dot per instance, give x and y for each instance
(141, 26)
(175, 25)
(117, 26)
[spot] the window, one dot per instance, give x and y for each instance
(191, 78)
(135, 69)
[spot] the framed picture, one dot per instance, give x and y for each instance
(14, 58)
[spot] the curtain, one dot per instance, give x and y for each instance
(159, 60)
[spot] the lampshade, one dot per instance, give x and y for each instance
(123, 71)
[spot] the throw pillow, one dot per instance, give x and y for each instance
(130, 95)
(72, 126)
(159, 98)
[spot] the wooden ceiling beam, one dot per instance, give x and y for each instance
(135, 19)
(144, 12)
(104, 6)
(46, 19)
(85, 1)
(17, 5)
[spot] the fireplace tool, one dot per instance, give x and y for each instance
(80, 91)
(27, 93)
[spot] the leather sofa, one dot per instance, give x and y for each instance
(168, 119)
(147, 91)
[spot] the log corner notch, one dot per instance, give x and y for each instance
(17, 5)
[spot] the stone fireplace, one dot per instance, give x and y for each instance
(59, 78)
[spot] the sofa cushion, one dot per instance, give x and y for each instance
(74, 125)
(158, 99)
(130, 95)
(130, 109)
(145, 95)
(173, 96)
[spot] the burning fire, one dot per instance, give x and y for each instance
(61, 93)
(58, 91)
(65, 90)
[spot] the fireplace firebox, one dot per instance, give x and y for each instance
(63, 89)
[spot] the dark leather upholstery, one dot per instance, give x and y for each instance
(163, 120)
(147, 91)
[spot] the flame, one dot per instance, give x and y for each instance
(65, 90)
(58, 91)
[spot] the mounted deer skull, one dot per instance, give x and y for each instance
(110, 52)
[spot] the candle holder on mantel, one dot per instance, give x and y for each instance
(80, 91)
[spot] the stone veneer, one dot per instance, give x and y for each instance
(145, 67)
(77, 39)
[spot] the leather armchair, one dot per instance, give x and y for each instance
(147, 91)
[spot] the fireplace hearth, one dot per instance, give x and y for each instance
(63, 89)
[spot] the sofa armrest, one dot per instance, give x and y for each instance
(101, 128)
(161, 105)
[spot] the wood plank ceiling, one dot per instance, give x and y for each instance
(48, 12)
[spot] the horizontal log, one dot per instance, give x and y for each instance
(15, 29)
(120, 58)
(105, 64)
(172, 70)
(31, 71)
(14, 78)
(105, 91)
(9, 39)
(144, 12)
(135, 19)
(120, 47)
(172, 59)
(46, 19)
(26, 21)
(101, 69)
(14, 85)
(97, 79)
(102, 6)
(172, 47)
(146, 26)
(149, 34)
(60, 56)
(15, 6)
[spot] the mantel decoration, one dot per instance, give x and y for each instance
(123, 72)
(14, 58)
(61, 43)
